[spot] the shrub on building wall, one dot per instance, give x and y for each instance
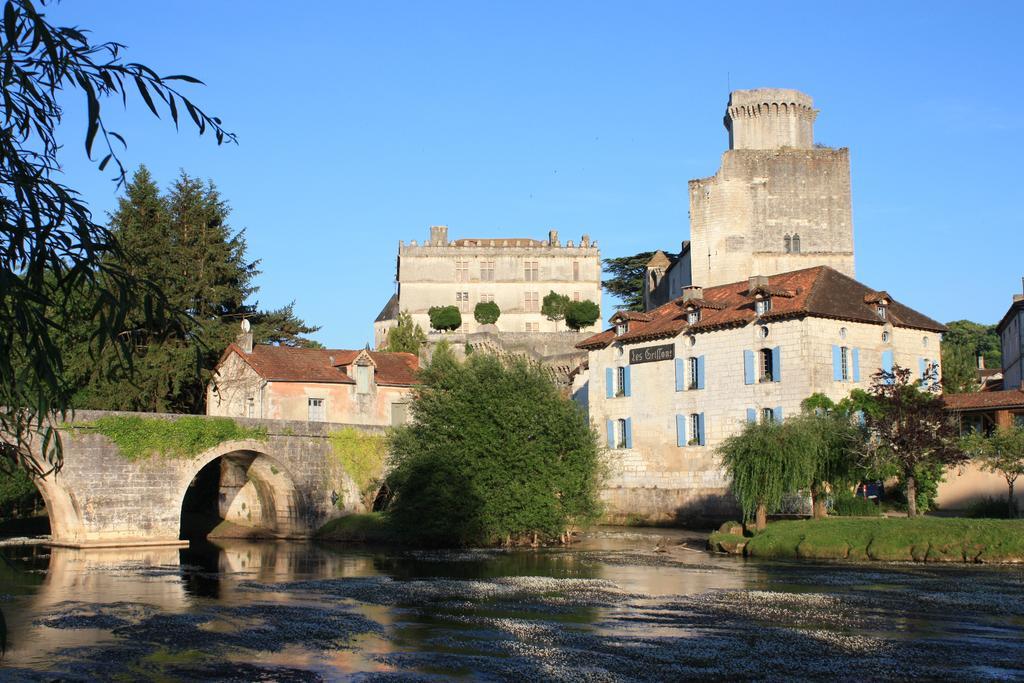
(362, 456)
(486, 313)
(580, 314)
(445, 318)
(554, 305)
(494, 454)
(406, 336)
(184, 437)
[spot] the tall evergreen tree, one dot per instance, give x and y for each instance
(182, 242)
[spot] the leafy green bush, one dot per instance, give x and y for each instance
(17, 492)
(183, 437)
(372, 527)
(445, 318)
(494, 454)
(362, 456)
(580, 314)
(486, 313)
(554, 305)
(845, 504)
(406, 336)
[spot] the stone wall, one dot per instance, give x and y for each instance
(100, 497)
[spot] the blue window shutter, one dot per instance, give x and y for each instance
(887, 361)
(609, 383)
(920, 368)
(700, 428)
(777, 364)
(626, 383)
(856, 364)
(611, 434)
(629, 432)
(680, 374)
(748, 367)
(751, 415)
(680, 430)
(837, 364)
(778, 413)
(700, 372)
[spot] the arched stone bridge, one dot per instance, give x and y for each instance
(287, 485)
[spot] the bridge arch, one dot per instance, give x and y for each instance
(65, 517)
(252, 489)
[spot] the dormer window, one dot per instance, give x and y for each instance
(881, 310)
(762, 306)
(621, 328)
(693, 316)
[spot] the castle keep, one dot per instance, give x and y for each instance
(777, 203)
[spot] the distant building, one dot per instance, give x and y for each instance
(1011, 336)
(778, 203)
(317, 385)
(666, 387)
(515, 273)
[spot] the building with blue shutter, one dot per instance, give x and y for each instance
(668, 385)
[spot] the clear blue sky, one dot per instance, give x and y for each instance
(361, 124)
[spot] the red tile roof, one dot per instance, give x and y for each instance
(985, 400)
(323, 366)
(819, 292)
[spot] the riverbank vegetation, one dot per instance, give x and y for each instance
(185, 437)
(921, 539)
(494, 454)
(362, 456)
(371, 527)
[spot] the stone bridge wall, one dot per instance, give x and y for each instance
(99, 497)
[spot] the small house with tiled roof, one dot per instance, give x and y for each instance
(667, 386)
(325, 385)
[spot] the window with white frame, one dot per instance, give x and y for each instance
(486, 271)
(620, 381)
(694, 429)
(317, 409)
(620, 433)
(762, 306)
(531, 302)
(462, 301)
(250, 407)
(767, 415)
(766, 366)
(532, 271)
(882, 315)
(844, 363)
(621, 327)
(576, 297)
(692, 369)
(693, 317)
(487, 298)
(462, 271)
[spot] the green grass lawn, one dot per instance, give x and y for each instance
(371, 527)
(924, 539)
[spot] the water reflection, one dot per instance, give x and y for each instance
(611, 607)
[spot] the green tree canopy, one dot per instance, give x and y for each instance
(1002, 452)
(445, 318)
(580, 314)
(554, 305)
(627, 279)
(494, 453)
(961, 346)
(406, 336)
(486, 312)
(181, 242)
(50, 246)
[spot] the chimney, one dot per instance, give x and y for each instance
(439, 235)
(244, 340)
(553, 238)
(757, 281)
(692, 292)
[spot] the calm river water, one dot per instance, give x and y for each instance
(621, 605)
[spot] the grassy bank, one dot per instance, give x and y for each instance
(924, 539)
(372, 527)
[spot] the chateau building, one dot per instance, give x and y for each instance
(515, 273)
(669, 385)
(778, 203)
(319, 385)
(1011, 336)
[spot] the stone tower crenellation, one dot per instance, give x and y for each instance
(770, 118)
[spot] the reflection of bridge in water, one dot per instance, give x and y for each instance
(286, 485)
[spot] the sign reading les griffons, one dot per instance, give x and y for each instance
(650, 354)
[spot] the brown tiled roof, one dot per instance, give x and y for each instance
(631, 315)
(323, 366)
(985, 400)
(498, 242)
(820, 292)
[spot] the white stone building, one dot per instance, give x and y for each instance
(666, 387)
(515, 273)
(1011, 335)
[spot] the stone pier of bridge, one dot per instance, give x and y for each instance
(286, 485)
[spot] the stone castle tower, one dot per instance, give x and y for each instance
(778, 203)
